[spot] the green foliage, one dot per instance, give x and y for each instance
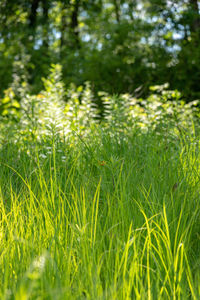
(99, 179)
(9, 106)
(116, 45)
(100, 208)
(48, 112)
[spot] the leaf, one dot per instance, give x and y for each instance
(5, 100)
(15, 104)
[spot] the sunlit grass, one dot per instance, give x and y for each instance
(127, 228)
(100, 210)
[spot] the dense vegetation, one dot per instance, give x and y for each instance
(117, 45)
(99, 208)
(99, 149)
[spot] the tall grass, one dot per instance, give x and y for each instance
(109, 213)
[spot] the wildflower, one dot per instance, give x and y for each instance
(102, 163)
(40, 96)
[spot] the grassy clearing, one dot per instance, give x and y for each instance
(120, 223)
(100, 211)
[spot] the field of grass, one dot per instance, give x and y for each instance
(108, 213)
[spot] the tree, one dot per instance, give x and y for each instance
(118, 45)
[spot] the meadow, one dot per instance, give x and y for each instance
(99, 208)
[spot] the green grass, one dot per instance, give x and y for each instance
(100, 209)
(106, 217)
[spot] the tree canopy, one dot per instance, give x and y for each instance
(117, 45)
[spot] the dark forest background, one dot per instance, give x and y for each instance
(119, 46)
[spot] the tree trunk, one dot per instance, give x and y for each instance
(74, 23)
(33, 14)
(45, 8)
(63, 26)
(195, 24)
(131, 6)
(117, 10)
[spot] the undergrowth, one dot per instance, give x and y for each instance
(99, 209)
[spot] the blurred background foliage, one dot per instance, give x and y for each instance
(119, 46)
(73, 114)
